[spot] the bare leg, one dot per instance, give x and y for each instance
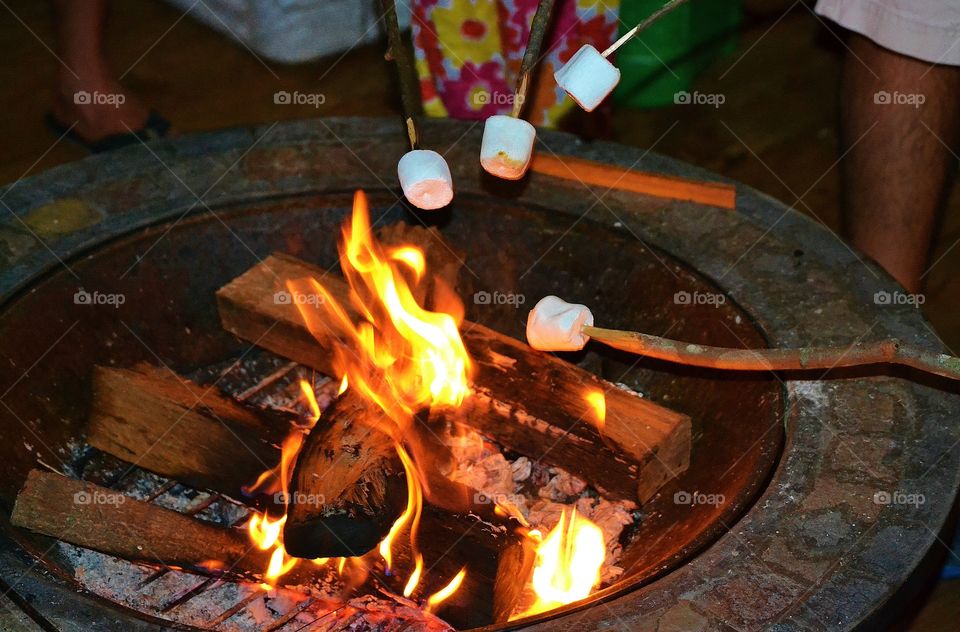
(897, 176)
(79, 29)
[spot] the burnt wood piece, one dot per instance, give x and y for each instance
(531, 402)
(449, 542)
(104, 520)
(514, 569)
(348, 486)
(166, 424)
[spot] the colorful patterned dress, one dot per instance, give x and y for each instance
(469, 52)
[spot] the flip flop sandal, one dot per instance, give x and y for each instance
(155, 127)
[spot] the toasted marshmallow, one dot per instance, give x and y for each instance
(425, 179)
(588, 77)
(555, 325)
(507, 146)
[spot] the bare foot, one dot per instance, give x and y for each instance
(100, 108)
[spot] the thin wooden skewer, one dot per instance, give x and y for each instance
(399, 53)
(656, 15)
(531, 56)
(889, 351)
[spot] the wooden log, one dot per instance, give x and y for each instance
(104, 520)
(348, 486)
(531, 402)
(173, 427)
(352, 466)
(448, 543)
(514, 569)
(654, 184)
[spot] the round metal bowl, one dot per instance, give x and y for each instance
(800, 541)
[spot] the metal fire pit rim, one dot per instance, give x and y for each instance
(715, 590)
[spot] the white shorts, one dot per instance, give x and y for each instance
(926, 29)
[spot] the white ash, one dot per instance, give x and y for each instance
(122, 582)
(541, 493)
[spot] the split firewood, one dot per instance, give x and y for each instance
(349, 463)
(513, 572)
(530, 402)
(107, 521)
(176, 428)
(348, 486)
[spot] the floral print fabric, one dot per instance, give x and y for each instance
(468, 53)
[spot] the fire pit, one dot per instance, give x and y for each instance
(747, 537)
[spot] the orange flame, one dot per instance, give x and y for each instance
(598, 402)
(277, 478)
(408, 357)
(311, 398)
(413, 257)
(446, 592)
(414, 577)
(568, 563)
(410, 515)
(265, 532)
(399, 356)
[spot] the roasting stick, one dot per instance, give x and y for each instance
(424, 175)
(644, 25)
(531, 56)
(555, 325)
(507, 146)
(589, 77)
(890, 351)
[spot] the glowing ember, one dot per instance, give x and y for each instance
(568, 563)
(446, 592)
(598, 402)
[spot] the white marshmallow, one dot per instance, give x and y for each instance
(425, 179)
(507, 146)
(554, 325)
(588, 77)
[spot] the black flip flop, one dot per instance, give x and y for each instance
(155, 127)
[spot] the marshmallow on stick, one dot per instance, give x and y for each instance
(424, 175)
(589, 77)
(425, 179)
(507, 147)
(556, 325)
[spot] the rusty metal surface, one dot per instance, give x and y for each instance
(815, 551)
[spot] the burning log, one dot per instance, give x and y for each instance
(104, 520)
(173, 427)
(531, 402)
(513, 571)
(349, 485)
